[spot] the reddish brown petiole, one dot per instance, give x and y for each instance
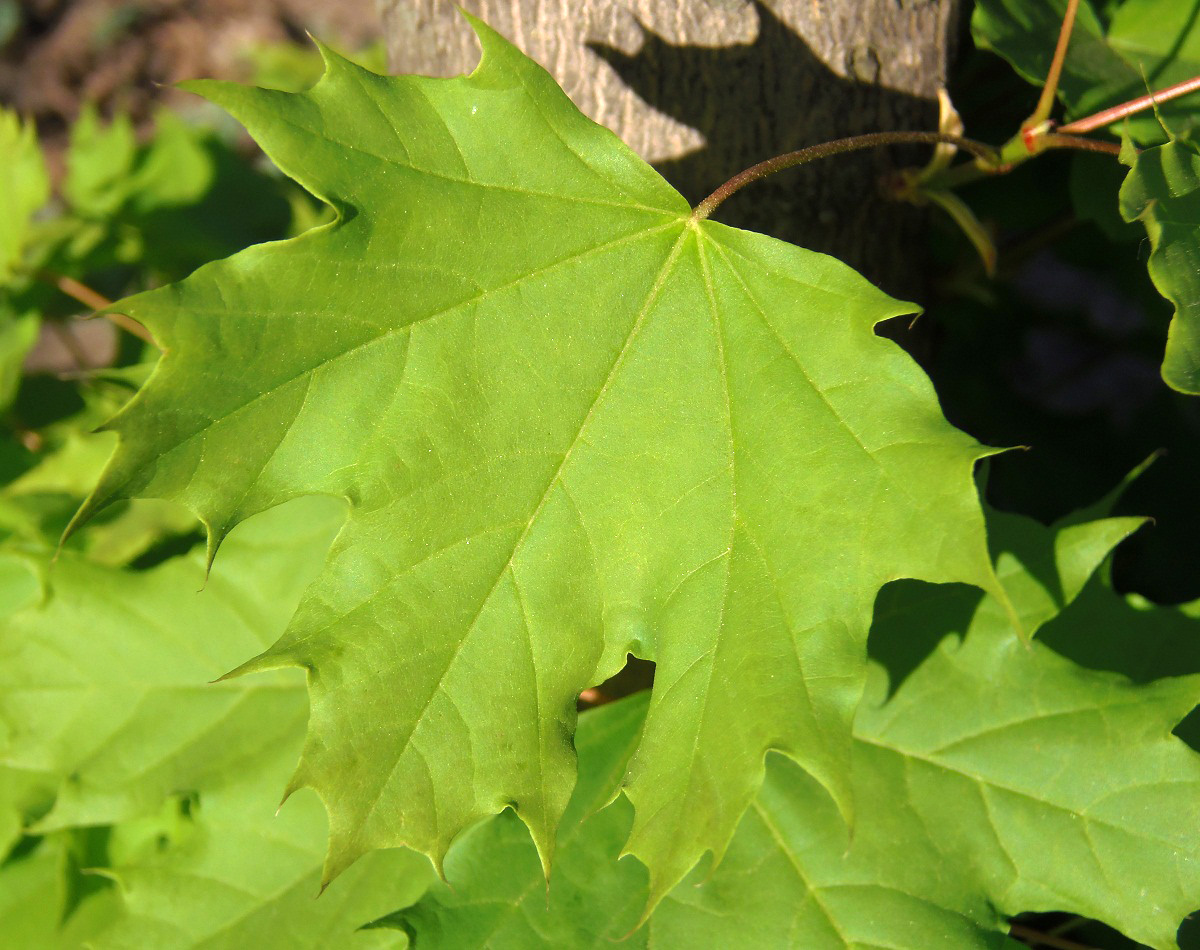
(1045, 103)
(1108, 116)
(837, 147)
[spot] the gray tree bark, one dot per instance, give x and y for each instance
(705, 88)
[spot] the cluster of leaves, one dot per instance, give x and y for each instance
(511, 416)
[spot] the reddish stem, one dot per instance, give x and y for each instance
(1046, 100)
(837, 147)
(1140, 104)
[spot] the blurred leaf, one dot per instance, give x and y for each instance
(100, 164)
(107, 682)
(25, 188)
(37, 908)
(24, 185)
(158, 209)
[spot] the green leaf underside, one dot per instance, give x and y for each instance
(1148, 45)
(1162, 190)
(998, 779)
(571, 425)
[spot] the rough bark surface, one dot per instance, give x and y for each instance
(705, 88)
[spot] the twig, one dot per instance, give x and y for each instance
(97, 301)
(1045, 104)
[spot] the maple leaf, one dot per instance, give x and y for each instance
(36, 894)
(573, 423)
(1162, 191)
(996, 779)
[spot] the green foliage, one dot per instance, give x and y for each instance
(107, 701)
(241, 875)
(501, 415)
(128, 720)
(996, 778)
(166, 206)
(25, 186)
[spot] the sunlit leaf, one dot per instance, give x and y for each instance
(572, 423)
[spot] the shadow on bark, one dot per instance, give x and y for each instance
(834, 206)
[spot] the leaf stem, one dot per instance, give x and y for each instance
(837, 147)
(97, 301)
(1108, 116)
(1045, 104)
(1056, 140)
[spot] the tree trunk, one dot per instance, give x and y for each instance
(705, 88)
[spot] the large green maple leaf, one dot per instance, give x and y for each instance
(573, 423)
(995, 779)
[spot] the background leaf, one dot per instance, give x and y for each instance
(173, 782)
(248, 874)
(106, 684)
(25, 185)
